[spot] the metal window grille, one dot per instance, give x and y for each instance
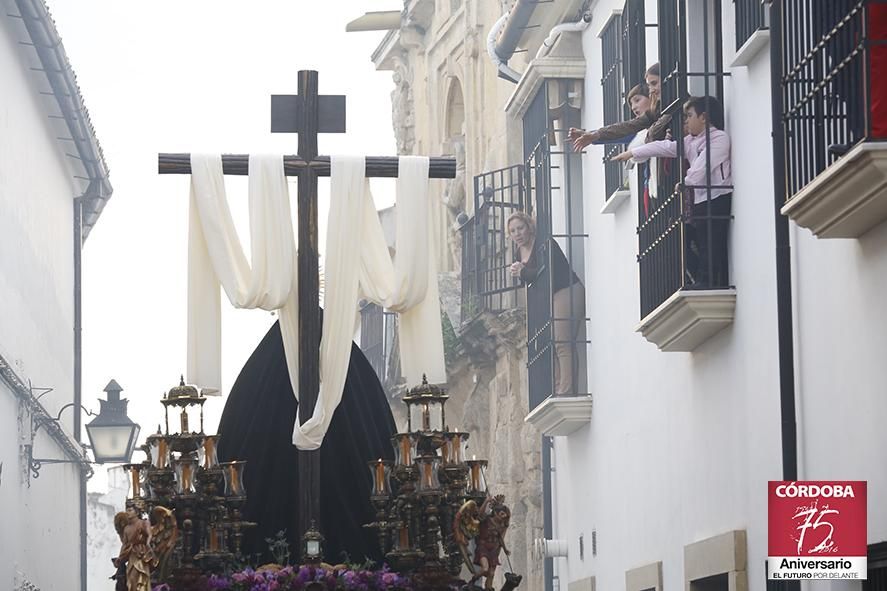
(470, 298)
(664, 229)
(827, 73)
(372, 337)
(634, 44)
(540, 331)
(877, 568)
(378, 341)
(390, 350)
(487, 285)
(751, 16)
(555, 198)
(497, 195)
(614, 88)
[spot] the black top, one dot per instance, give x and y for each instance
(257, 426)
(562, 275)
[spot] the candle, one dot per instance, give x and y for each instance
(213, 540)
(380, 478)
(426, 473)
(136, 489)
(403, 538)
(235, 484)
(159, 452)
(234, 478)
(426, 417)
(185, 475)
(406, 451)
(184, 420)
(210, 459)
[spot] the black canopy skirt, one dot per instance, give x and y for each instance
(257, 426)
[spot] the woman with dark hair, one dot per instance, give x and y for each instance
(651, 119)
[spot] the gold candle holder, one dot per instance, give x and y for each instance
(381, 472)
(185, 469)
(477, 480)
(159, 449)
(403, 538)
(453, 449)
(405, 448)
(428, 467)
(135, 480)
(207, 453)
(234, 478)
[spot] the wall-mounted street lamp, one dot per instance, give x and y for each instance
(112, 434)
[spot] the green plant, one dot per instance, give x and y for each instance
(279, 548)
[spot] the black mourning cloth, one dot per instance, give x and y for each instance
(257, 425)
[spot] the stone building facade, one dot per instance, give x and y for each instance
(449, 100)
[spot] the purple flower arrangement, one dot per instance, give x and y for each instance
(306, 578)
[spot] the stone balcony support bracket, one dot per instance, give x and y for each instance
(537, 72)
(848, 199)
(559, 416)
(689, 318)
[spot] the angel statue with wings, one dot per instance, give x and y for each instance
(144, 547)
(136, 558)
(485, 527)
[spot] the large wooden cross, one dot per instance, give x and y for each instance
(307, 114)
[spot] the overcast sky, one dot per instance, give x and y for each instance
(188, 76)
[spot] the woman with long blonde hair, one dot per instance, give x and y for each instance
(568, 296)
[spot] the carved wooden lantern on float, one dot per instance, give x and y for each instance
(421, 494)
(201, 497)
(425, 409)
(312, 545)
(184, 397)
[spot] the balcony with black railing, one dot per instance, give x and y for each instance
(833, 98)
(613, 86)
(487, 252)
(556, 319)
(752, 19)
(378, 341)
(683, 218)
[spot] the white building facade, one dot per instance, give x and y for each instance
(695, 389)
(53, 185)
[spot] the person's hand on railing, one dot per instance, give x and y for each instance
(515, 268)
(580, 138)
(622, 156)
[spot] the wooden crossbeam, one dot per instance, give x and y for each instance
(238, 164)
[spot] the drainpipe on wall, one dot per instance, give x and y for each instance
(505, 72)
(78, 374)
(783, 259)
(788, 411)
(556, 31)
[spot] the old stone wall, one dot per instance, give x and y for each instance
(448, 100)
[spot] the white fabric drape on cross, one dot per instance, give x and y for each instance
(357, 262)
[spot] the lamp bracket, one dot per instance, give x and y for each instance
(35, 464)
(39, 421)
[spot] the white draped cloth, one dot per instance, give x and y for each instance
(357, 264)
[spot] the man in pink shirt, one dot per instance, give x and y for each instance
(707, 148)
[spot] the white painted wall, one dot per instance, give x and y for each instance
(39, 539)
(681, 445)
